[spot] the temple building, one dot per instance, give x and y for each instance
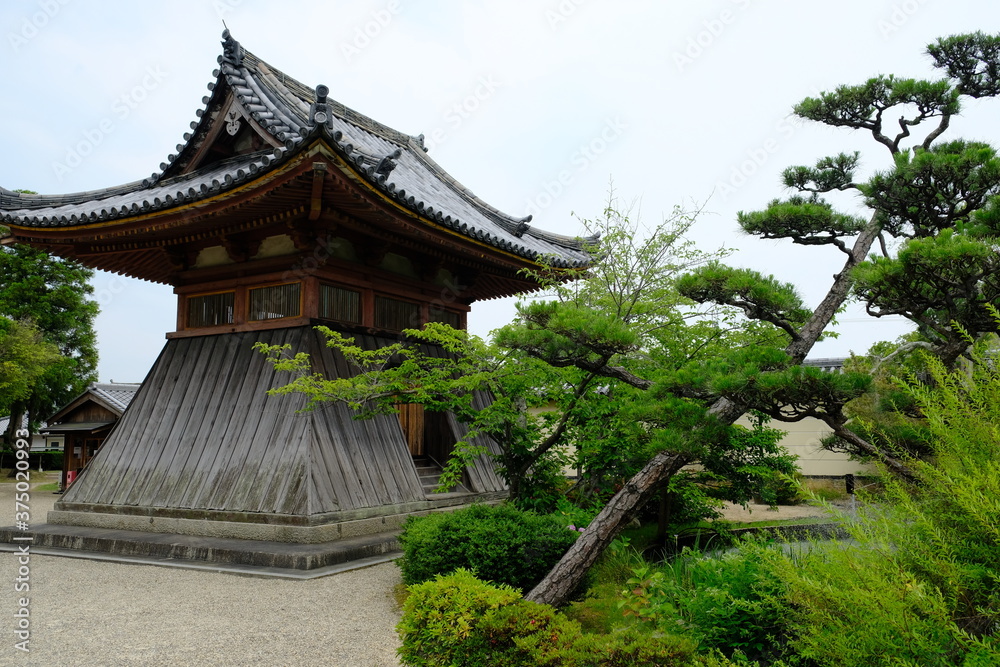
(283, 209)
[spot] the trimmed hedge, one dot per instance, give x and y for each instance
(457, 620)
(499, 543)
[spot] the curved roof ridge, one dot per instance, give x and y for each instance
(293, 92)
(292, 115)
(147, 196)
(13, 200)
(303, 93)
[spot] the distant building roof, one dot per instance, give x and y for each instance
(828, 364)
(5, 422)
(119, 394)
(115, 396)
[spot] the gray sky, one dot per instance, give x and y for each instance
(537, 106)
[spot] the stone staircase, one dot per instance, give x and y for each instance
(429, 472)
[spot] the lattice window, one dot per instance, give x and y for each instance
(209, 310)
(276, 301)
(337, 303)
(396, 315)
(452, 319)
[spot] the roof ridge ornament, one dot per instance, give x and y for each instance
(387, 163)
(231, 49)
(319, 111)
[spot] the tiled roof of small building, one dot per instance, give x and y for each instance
(118, 394)
(295, 116)
(829, 364)
(5, 422)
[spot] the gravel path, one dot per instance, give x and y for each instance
(94, 613)
(755, 512)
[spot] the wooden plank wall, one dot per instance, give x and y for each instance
(202, 433)
(482, 476)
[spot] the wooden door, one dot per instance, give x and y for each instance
(411, 418)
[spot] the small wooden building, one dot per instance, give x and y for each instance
(281, 210)
(85, 422)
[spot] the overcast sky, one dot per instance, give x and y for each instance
(535, 105)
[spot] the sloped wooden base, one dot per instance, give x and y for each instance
(204, 450)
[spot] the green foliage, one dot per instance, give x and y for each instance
(830, 173)
(805, 221)
(24, 358)
(943, 199)
(440, 617)
(459, 380)
(920, 587)
(863, 106)
(583, 356)
(51, 295)
(457, 620)
(740, 465)
(936, 282)
(760, 297)
(754, 465)
(910, 198)
(970, 61)
(732, 602)
(499, 543)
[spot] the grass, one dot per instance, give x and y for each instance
(51, 486)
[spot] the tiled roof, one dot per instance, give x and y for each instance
(5, 421)
(118, 394)
(830, 365)
(296, 115)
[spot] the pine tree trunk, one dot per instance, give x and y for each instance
(567, 574)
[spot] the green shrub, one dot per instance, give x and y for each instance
(441, 618)
(459, 621)
(919, 585)
(499, 543)
(732, 602)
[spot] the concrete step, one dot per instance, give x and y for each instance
(246, 554)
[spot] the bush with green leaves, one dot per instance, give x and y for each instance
(921, 584)
(500, 543)
(731, 603)
(459, 621)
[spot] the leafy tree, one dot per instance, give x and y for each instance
(24, 358)
(52, 295)
(626, 299)
(939, 199)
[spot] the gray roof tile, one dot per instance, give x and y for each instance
(283, 107)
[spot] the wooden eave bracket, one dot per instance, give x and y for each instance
(239, 247)
(316, 196)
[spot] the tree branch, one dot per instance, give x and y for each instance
(902, 349)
